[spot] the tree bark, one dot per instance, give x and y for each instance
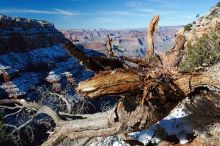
(124, 81)
(114, 82)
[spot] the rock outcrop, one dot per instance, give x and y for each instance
(203, 25)
(20, 34)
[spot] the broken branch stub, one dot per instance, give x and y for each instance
(151, 29)
(109, 46)
(173, 57)
(151, 57)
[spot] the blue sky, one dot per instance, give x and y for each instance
(109, 14)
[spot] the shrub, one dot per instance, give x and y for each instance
(205, 51)
(188, 27)
(217, 28)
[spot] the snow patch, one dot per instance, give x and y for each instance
(176, 123)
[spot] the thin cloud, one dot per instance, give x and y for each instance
(34, 11)
(140, 6)
(64, 12)
(144, 7)
(146, 10)
(114, 13)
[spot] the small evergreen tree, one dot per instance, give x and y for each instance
(205, 51)
(188, 27)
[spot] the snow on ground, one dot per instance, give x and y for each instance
(176, 123)
(3, 67)
(19, 60)
(22, 63)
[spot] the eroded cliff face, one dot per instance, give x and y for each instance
(20, 34)
(125, 42)
(32, 55)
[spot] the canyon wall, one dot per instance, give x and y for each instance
(125, 42)
(31, 55)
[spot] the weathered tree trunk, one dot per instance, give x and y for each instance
(118, 82)
(151, 29)
(134, 112)
(173, 57)
(114, 82)
(151, 57)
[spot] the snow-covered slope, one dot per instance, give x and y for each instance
(30, 50)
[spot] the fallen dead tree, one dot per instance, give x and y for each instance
(145, 96)
(134, 112)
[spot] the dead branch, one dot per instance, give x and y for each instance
(64, 99)
(95, 64)
(139, 62)
(34, 106)
(170, 58)
(151, 29)
(173, 57)
(109, 46)
(151, 57)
